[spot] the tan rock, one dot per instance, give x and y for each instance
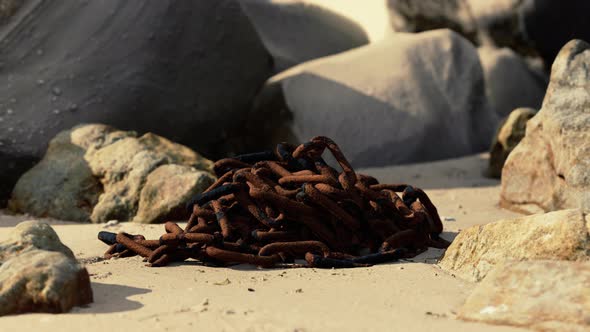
(550, 168)
(509, 134)
(32, 234)
(542, 295)
(95, 172)
(62, 185)
(560, 235)
(38, 273)
(166, 191)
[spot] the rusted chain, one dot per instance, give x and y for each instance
(276, 207)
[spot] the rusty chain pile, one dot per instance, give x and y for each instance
(273, 208)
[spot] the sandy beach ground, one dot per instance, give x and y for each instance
(404, 296)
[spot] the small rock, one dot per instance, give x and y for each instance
(222, 283)
(111, 223)
(449, 219)
(540, 295)
(40, 274)
(509, 134)
(560, 235)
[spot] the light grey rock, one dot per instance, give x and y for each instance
(408, 98)
(186, 70)
(510, 83)
(550, 168)
(38, 273)
(540, 295)
(95, 172)
(298, 31)
(560, 235)
(509, 134)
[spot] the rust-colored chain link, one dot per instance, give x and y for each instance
(273, 208)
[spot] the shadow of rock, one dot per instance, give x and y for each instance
(109, 298)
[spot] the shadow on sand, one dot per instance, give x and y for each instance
(109, 298)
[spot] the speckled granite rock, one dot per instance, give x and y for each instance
(550, 168)
(540, 295)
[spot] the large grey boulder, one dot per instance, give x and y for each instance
(550, 168)
(560, 235)
(186, 70)
(296, 31)
(539, 295)
(408, 98)
(510, 82)
(38, 273)
(97, 173)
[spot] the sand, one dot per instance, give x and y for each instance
(404, 296)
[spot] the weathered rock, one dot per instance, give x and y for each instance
(385, 103)
(550, 168)
(510, 83)
(38, 273)
(540, 295)
(186, 70)
(95, 172)
(298, 31)
(560, 235)
(166, 191)
(509, 134)
(424, 15)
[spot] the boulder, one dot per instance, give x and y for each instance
(539, 295)
(560, 235)
(297, 31)
(510, 83)
(186, 70)
(509, 134)
(38, 273)
(97, 173)
(386, 103)
(550, 168)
